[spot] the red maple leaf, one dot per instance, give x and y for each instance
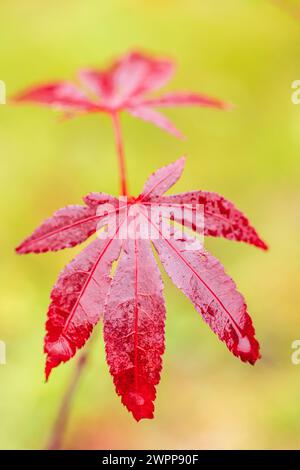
(131, 300)
(124, 86)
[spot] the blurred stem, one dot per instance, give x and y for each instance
(60, 424)
(120, 152)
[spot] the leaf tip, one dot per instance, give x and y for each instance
(140, 413)
(48, 369)
(181, 161)
(227, 106)
(263, 245)
(20, 250)
(259, 243)
(139, 418)
(247, 349)
(13, 100)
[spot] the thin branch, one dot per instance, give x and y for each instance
(61, 422)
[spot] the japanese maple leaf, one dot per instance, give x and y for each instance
(124, 86)
(131, 301)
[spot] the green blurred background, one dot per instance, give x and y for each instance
(246, 52)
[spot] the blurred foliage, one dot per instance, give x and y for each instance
(245, 52)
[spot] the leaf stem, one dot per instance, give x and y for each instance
(120, 152)
(60, 424)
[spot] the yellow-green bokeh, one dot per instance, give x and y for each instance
(246, 52)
